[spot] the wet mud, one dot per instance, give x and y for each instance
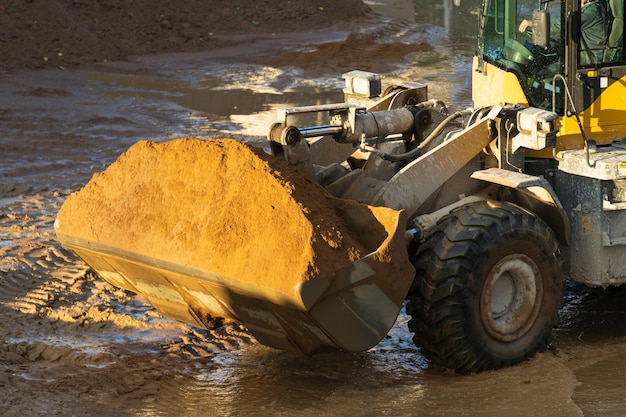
(73, 345)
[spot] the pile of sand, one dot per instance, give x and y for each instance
(221, 206)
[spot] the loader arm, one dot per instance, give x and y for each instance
(433, 169)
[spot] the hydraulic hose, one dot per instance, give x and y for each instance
(417, 151)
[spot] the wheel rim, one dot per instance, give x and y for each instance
(511, 297)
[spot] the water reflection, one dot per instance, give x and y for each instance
(264, 382)
(295, 383)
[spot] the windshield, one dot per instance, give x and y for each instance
(506, 40)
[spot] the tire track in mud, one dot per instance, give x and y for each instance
(69, 341)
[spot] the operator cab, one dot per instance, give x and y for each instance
(568, 58)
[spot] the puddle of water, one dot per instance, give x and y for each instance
(600, 391)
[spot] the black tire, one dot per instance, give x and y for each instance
(488, 288)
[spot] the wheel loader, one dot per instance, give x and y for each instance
(492, 208)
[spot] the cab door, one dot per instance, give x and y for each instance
(596, 70)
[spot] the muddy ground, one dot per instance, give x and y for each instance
(67, 33)
(73, 345)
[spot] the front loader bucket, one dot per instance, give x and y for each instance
(213, 230)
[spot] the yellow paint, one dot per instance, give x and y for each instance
(604, 121)
(494, 86)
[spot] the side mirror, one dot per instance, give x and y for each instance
(541, 28)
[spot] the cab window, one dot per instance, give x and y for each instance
(601, 33)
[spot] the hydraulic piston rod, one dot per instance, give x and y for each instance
(315, 131)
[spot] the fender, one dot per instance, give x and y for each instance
(533, 193)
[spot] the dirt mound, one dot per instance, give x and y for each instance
(360, 50)
(52, 33)
(221, 206)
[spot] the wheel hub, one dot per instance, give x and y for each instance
(511, 297)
